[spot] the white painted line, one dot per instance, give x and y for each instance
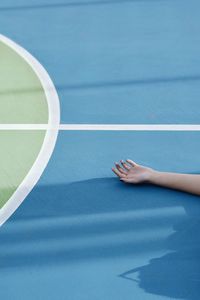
(50, 138)
(130, 127)
(103, 127)
(28, 127)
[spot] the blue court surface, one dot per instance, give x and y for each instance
(81, 234)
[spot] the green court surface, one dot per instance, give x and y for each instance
(22, 101)
(22, 98)
(18, 152)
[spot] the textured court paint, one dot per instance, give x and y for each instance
(18, 151)
(83, 230)
(22, 98)
(100, 149)
(96, 44)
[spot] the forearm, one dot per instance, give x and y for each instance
(185, 182)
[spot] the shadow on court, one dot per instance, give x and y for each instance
(68, 4)
(106, 84)
(103, 218)
(177, 274)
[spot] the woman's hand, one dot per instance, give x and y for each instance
(131, 172)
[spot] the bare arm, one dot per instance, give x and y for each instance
(131, 172)
(183, 182)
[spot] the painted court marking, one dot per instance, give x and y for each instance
(104, 127)
(50, 138)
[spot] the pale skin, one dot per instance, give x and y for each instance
(130, 172)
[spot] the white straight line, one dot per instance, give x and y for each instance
(103, 127)
(26, 127)
(130, 127)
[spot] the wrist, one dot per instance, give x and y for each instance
(153, 176)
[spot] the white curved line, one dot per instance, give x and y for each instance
(50, 137)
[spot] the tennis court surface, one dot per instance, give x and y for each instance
(84, 84)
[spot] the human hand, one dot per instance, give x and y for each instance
(131, 172)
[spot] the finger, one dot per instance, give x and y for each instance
(131, 162)
(120, 168)
(118, 173)
(126, 180)
(125, 165)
